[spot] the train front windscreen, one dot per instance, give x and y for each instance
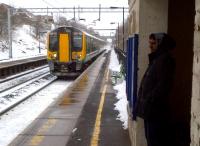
(53, 42)
(77, 41)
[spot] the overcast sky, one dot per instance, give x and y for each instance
(65, 3)
(106, 18)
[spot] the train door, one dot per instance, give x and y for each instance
(64, 47)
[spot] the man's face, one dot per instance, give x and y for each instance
(153, 44)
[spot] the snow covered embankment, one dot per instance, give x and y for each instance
(23, 44)
(121, 105)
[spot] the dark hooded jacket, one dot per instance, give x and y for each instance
(156, 84)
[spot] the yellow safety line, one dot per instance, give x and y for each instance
(96, 132)
(38, 138)
(107, 75)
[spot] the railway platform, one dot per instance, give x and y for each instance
(11, 67)
(83, 115)
(9, 63)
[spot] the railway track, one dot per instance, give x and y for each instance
(23, 74)
(22, 88)
(16, 80)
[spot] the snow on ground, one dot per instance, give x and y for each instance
(107, 47)
(15, 121)
(114, 63)
(23, 44)
(121, 105)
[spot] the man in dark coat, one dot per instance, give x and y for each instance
(153, 97)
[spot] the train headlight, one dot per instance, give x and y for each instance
(54, 55)
(79, 57)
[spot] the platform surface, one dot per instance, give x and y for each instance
(84, 115)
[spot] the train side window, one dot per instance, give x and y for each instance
(88, 44)
(94, 45)
(91, 44)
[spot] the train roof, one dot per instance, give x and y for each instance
(86, 33)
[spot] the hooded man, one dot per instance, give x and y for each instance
(153, 97)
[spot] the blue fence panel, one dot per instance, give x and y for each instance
(132, 68)
(135, 71)
(129, 70)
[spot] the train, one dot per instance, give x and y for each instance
(69, 49)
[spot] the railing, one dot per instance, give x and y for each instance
(122, 59)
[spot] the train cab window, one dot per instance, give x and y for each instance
(77, 41)
(53, 42)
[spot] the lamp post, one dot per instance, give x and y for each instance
(9, 32)
(123, 23)
(123, 28)
(117, 32)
